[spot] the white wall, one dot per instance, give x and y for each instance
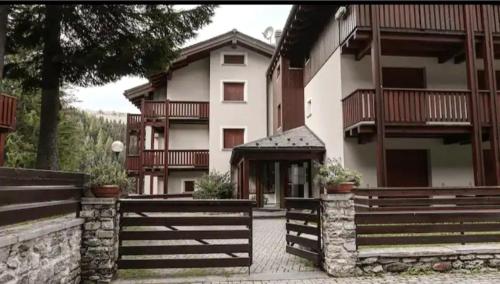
(176, 179)
(250, 114)
(325, 92)
(188, 137)
(450, 165)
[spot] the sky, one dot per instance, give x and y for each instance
(248, 19)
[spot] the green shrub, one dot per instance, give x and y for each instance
(333, 173)
(108, 172)
(214, 185)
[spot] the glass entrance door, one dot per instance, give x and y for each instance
(299, 180)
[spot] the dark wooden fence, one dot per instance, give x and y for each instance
(141, 220)
(32, 194)
(388, 216)
(303, 228)
(160, 196)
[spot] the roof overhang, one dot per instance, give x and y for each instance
(302, 27)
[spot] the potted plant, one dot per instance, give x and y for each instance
(107, 179)
(335, 178)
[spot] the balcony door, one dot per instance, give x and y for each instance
(407, 168)
(403, 77)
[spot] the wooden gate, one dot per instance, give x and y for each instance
(303, 228)
(160, 233)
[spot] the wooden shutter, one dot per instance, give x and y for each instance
(234, 59)
(233, 137)
(188, 186)
(403, 77)
(234, 91)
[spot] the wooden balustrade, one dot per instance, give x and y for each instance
(133, 120)
(416, 17)
(196, 158)
(7, 111)
(176, 158)
(409, 106)
(177, 109)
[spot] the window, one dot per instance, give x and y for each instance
(481, 79)
(399, 77)
(309, 108)
(188, 185)
(234, 91)
(233, 137)
(279, 115)
(233, 59)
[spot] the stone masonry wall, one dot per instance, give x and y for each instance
(415, 264)
(41, 252)
(338, 234)
(100, 239)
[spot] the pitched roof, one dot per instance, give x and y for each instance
(197, 51)
(300, 138)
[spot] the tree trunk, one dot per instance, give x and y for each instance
(4, 11)
(47, 155)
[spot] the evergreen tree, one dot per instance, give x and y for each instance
(89, 45)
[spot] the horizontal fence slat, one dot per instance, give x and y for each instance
(426, 217)
(18, 177)
(303, 229)
(314, 257)
(184, 235)
(183, 263)
(302, 203)
(158, 205)
(428, 228)
(184, 249)
(185, 221)
(301, 216)
(403, 240)
(401, 202)
(309, 243)
(11, 214)
(31, 194)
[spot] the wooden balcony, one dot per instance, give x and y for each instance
(133, 121)
(413, 107)
(437, 28)
(176, 110)
(177, 159)
(7, 113)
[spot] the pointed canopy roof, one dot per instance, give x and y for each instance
(300, 139)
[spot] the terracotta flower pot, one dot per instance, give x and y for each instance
(106, 191)
(344, 187)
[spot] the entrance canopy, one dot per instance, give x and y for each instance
(278, 166)
(293, 144)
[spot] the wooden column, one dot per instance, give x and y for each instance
(141, 141)
(165, 146)
(489, 74)
(476, 136)
(3, 138)
(283, 181)
(245, 182)
(259, 194)
(379, 97)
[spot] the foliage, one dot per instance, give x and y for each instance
(214, 185)
(82, 137)
(333, 173)
(49, 46)
(108, 172)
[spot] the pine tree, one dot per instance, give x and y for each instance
(88, 45)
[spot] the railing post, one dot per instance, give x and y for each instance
(165, 147)
(141, 141)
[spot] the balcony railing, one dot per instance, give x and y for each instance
(176, 158)
(177, 109)
(133, 120)
(409, 107)
(7, 111)
(437, 18)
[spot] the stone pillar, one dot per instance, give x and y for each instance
(99, 239)
(339, 234)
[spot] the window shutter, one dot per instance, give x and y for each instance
(234, 91)
(188, 186)
(233, 137)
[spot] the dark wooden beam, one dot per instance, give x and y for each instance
(363, 51)
(165, 144)
(476, 137)
(379, 98)
(489, 71)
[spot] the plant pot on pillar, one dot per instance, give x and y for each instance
(108, 179)
(334, 178)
